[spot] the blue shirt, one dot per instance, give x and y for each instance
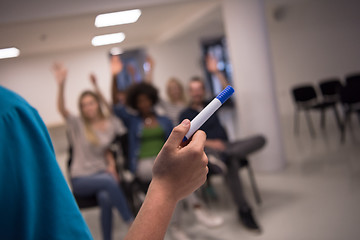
(135, 125)
(35, 200)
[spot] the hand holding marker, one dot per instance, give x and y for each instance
(209, 110)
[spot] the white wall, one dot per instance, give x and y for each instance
(181, 57)
(314, 40)
(32, 78)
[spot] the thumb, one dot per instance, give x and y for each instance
(178, 133)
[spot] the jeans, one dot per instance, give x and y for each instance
(108, 193)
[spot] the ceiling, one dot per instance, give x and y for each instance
(44, 26)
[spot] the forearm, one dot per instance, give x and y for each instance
(223, 81)
(121, 112)
(154, 216)
(102, 98)
(110, 159)
(114, 90)
(61, 101)
(149, 77)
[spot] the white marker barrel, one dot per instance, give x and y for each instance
(209, 110)
(204, 115)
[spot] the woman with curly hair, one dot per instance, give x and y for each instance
(147, 131)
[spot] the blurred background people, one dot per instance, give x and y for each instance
(147, 133)
(38, 203)
(176, 102)
(93, 168)
(217, 144)
(178, 171)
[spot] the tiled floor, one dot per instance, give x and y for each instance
(316, 197)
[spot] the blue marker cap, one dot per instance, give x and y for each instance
(225, 94)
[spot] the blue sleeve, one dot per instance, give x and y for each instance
(36, 202)
(123, 114)
(167, 126)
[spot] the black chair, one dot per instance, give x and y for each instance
(119, 149)
(352, 79)
(82, 202)
(240, 150)
(306, 99)
(330, 89)
(350, 100)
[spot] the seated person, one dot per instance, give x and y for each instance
(147, 133)
(217, 143)
(93, 168)
(37, 202)
(176, 102)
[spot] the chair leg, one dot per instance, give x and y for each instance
(337, 117)
(343, 130)
(207, 192)
(322, 118)
(310, 125)
(296, 122)
(254, 185)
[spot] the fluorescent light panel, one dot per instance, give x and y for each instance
(108, 39)
(116, 51)
(117, 18)
(9, 52)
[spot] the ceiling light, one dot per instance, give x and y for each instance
(116, 51)
(9, 52)
(108, 39)
(117, 18)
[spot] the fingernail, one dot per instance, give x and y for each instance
(185, 122)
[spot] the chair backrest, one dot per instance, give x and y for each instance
(352, 79)
(119, 148)
(350, 94)
(330, 87)
(304, 93)
(70, 152)
(91, 201)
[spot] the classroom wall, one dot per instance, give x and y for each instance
(31, 76)
(181, 57)
(313, 40)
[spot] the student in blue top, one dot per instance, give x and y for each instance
(147, 131)
(36, 202)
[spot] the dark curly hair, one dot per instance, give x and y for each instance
(138, 89)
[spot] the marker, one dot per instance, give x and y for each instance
(209, 110)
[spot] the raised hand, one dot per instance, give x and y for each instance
(211, 66)
(93, 79)
(211, 63)
(151, 63)
(60, 72)
(116, 65)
